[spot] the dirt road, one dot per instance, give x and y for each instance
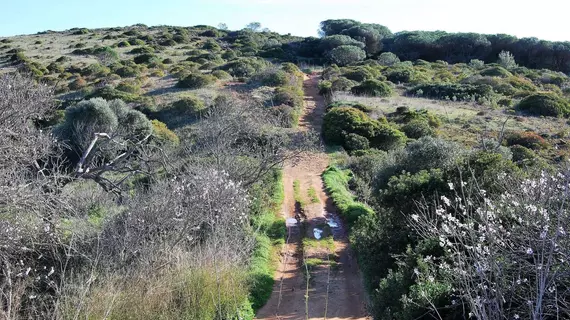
(316, 278)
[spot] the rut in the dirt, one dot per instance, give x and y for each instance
(316, 279)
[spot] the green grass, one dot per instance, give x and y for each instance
(297, 193)
(324, 243)
(312, 194)
(336, 183)
(265, 217)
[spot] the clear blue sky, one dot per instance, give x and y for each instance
(545, 19)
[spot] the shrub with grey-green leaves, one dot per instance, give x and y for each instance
(346, 54)
(115, 118)
(388, 59)
(428, 152)
(507, 60)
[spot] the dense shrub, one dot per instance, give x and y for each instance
(290, 96)
(388, 59)
(400, 75)
(346, 54)
(373, 88)
(462, 92)
(360, 74)
(244, 67)
(496, 72)
(123, 44)
(109, 93)
(196, 81)
(129, 86)
(418, 128)
(221, 75)
(545, 104)
(142, 50)
(353, 141)
(351, 104)
(98, 115)
(162, 135)
(331, 42)
(146, 58)
(340, 121)
(387, 138)
(342, 84)
(526, 139)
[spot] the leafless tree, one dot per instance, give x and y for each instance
(240, 136)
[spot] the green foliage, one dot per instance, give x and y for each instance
(340, 121)
(328, 43)
(336, 184)
(346, 54)
(99, 115)
(526, 139)
(221, 75)
(196, 81)
(418, 128)
(461, 92)
(129, 86)
(373, 88)
(290, 96)
(142, 50)
(244, 67)
(388, 59)
(387, 137)
(146, 58)
(496, 72)
(109, 93)
(351, 104)
(162, 135)
(353, 141)
(545, 104)
(269, 195)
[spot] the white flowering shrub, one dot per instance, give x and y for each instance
(506, 256)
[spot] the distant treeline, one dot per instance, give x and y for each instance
(439, 45)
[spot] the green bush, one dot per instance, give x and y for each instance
(545, 104)
(353, 141)
(346, 54)
(460, 92)
(400, 75)
(356, 105)
(496, 72)
(244, 67)
(109, 93)
(146, 58)
(99, 115)
(526, 139)
(388, 59)
(342, 84)
(272, 78)
(387, 138)
(340, 121)
(142, 50)
(418, 128)
(196, 81)
(373, 88)
(221, 75)
(290, 96)
(162, 135)
(360, 74)
(129, 86)
(123, 44)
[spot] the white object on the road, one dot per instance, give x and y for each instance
(332, 223)
(290, 222)
(317, 233)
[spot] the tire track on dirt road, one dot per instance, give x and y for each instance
(335, 289)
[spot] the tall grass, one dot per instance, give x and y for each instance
(336, 184)
(183, 292)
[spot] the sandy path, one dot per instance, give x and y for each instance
(333, 292)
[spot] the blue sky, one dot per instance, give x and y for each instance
(544, 19)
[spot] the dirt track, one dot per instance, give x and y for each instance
(333, 289)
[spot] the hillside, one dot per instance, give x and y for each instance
(198, 173)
